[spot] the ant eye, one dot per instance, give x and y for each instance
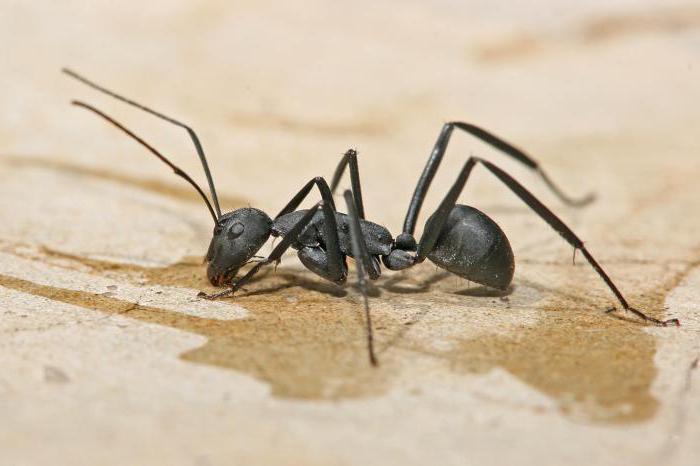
(235, 230)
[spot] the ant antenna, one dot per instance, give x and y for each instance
(176, 169)
(190, 131)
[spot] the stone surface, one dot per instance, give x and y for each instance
(107, 356)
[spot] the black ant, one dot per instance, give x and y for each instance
(457, 238)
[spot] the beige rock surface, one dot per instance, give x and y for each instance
(107, 357)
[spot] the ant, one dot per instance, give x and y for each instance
(457, 238)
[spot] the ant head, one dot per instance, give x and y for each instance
(238, 235)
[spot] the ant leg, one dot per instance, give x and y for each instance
(350, 158)
(435, 227)
(190, 131)
(406, 238)
(323, 188)
(328, 261)
(363, 262)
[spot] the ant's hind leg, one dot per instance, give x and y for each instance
(561, 228)
(433, 230)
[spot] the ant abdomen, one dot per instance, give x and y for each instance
(474, 247)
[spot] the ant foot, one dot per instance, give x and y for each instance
(641, 315)
(675, 322)
(214, 296)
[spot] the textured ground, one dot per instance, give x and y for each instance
(107, 357)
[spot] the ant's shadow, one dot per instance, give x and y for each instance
(293, 280)
(397, 283)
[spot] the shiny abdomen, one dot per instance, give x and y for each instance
(473, 246)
